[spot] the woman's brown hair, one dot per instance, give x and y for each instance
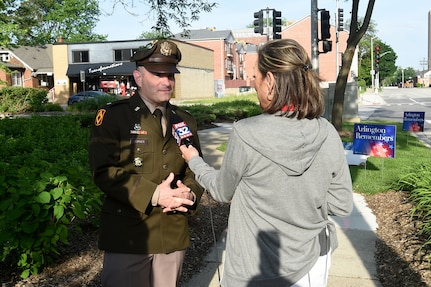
(296, 86)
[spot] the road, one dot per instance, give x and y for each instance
(396, 101)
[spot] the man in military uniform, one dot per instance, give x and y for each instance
(135, 160)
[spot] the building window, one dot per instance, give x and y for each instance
(123, 54)
(241, 58)
(16, 79)
(80, 57)
(4, 57)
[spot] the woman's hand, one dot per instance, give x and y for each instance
(188, 152)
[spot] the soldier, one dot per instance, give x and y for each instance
(135, 160)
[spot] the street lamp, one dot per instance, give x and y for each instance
(378, 72)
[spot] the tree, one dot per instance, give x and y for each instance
(7, 28)
(397, 78)
(357, 31)
(44, 21)
(182, 13)
(387, 60)
(150, 35)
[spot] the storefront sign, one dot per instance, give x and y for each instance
(103, 68)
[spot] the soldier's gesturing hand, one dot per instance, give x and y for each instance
(174, 199)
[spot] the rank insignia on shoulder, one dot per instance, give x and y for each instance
(99, 117)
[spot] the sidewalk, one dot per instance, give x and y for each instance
(353, 263)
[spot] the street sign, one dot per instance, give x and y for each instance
(82, 75)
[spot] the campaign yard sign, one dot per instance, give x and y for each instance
(414, 121)
(374, 140)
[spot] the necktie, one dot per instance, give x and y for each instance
(158, 114)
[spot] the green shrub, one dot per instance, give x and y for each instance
(50, 107)
(224, 111)
(19, 100)
(362, 85)
(417, 181)
(91, 104)
(45, 185)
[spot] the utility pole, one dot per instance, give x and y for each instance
(424, 63)
(337, 26)
(372, 72)
(314, 37)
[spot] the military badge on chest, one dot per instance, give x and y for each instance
(138, 162)
(137, 141)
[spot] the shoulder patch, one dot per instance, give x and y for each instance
(99, 117)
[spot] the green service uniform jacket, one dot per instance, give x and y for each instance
(129, 157)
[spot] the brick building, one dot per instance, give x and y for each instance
(29, 67)
(235, 52)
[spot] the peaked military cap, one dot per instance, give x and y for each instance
(160, 57)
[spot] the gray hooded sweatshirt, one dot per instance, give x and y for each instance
(283, 178)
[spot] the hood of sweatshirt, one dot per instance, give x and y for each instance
(290, 143)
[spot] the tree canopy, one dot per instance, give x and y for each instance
(182, 13)
(38, 22)
(387, 59)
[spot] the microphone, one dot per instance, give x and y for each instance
(182, 132)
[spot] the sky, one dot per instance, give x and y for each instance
(403, 25)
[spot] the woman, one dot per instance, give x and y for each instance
(284, 172)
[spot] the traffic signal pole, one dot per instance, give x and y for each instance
(314, 37)
(260, 23)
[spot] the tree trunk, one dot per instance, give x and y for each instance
(355, 36)
(340, 88)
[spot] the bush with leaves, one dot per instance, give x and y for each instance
(45, 186)
(92, 104)
(223, 111)
(20, 100)
(417, 181)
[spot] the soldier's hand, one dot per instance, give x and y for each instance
(174, 199)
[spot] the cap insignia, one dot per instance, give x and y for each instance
(165, 49)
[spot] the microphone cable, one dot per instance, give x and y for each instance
(214, 237)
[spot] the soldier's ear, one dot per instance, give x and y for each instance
(137, 75)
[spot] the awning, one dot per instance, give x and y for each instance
(99, 69)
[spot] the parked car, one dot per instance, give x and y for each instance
(81, 96)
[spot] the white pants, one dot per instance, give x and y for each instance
(318, 275)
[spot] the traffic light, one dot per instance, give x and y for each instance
(340, 19)
(325, 26)
(377, 58)
(327, 46)
(276, 24)
(258, 22)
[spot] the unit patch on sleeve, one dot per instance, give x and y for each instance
(99, 117)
